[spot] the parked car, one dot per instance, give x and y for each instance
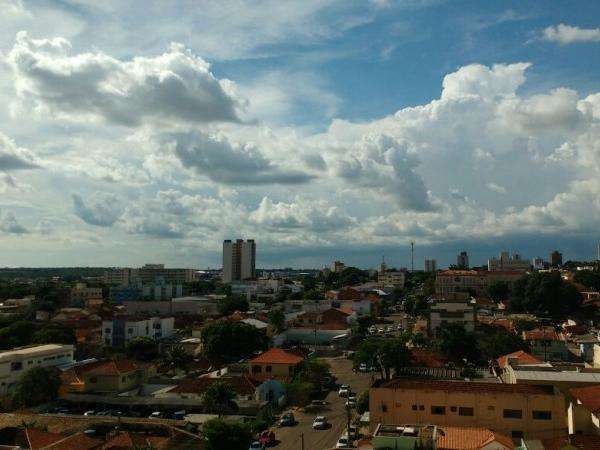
(363, 367)
(256, 446)
(267, 438)
(352, 431)
(351, 402)
(320, 423)
(344, 390)
(179, 415)
(156, 415)
(90, 413)
(287, 419)
(344, 442)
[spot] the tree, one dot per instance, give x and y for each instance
(313, 370)
(230, 305)
(142, 348)
(498, 290)
(386, 354)
(36, 386)
(177, 357)
(54, 334)
(277, 320)
(415, 305)
(16, 334)
(232, 340)
(298, 392)
(493, 342)
(545, 294)
(362, 402)
(219, 398)
(589, 278)
(220, 435)
(456, 343)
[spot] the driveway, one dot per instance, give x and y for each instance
(290, 438)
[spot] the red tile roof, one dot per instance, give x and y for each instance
(39, 438)
(127, 440)
(113, 367)
(428, 358)
(521, 357)
(78, 441)
(277, 356)
(582, 441)
(589, 397)
(546, 334)
(472, 387)
(461, 438)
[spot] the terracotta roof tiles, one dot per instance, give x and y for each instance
(521, 357)
(461, 438)
(277, 356)
(589, 397)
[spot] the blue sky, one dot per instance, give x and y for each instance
(133, 132)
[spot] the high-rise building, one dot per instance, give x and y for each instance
(462, 260)
(598, 251)
(239, 260)
(538, 263)
(430, 265)
(338, 267)
(508, 263)
(556, 259)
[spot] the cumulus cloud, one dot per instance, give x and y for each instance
(13, 157)
(227, 162)
(101, 210)
(496, 188)
(174, 86)
(9, 224)
(482, 81)
(567, 34)
(381, 162)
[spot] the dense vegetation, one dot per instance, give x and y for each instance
(232, 340)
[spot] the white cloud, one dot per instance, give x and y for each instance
(567, 34)
(496, 188)
(9, 224)
(13, 157)
(101, 209)
(479, 80)
(175, 86)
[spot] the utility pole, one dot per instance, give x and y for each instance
(412, 257)
(302, 440)
(348, 417)
(316, 316)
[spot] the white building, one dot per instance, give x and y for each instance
(457, 309)
(15, 362)
(391, 279)
(122, 329)
(239, 260)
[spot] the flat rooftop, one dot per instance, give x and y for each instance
(473, 387)
(33, 350)
(408, 430)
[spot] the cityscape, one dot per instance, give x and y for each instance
(299, 225)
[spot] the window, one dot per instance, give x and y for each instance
(269, 369)
(414, 407)
(465, 411)
(130, 330)
(453, 408)
(16, 365)
(516, 434)
(107, 330)
(93, 380)
(542, 415)
(123, 379)
(513, 414)
(256, 369)
(491, 408)
(421, 408)
(438, 410)
(383, 407)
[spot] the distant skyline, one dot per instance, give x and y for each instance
(145, 131)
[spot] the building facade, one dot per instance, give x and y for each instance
(556, 259)
(15, 362)
(239, 260)
(448, 282)
(508, 263)
(456, 309)
(391, 278)
(430, 265)
(515, 410)
(462, 260)
(122, 329)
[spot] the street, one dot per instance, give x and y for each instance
(290, 437)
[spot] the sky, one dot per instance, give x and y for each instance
(146, 131)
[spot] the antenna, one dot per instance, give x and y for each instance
(412, 256)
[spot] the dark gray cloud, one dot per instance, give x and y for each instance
(228, 163)
(174, 86)
(9, 224)
(102, 210)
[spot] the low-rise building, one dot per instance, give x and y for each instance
(275, 363)
(584, 410)
(391, 279)
(474, 282)
(109, 376)
(547, 344)
(81, 294)
(453, 309)
(15, 362)
(122, 329)
(515, 410)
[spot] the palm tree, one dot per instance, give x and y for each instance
(219, 397)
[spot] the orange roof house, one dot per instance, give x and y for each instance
(462, 438)
(275, 363)
(517, 358)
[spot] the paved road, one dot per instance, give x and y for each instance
(290, 437)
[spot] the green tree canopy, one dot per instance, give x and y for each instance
(277, 320)
(36, 386)
(142, 349)
(219, 398)
(386, 354)
(589, 278)
(229, 305)
(220, 435)
(456, 343)
(545, 294)
(54, 333)
(232, 340)
(498, 290)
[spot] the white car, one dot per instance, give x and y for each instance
(344, 390)
(362, 367)
(351, 402)
(320, 423)
(256, 446)
(156, 415)
(344, 442)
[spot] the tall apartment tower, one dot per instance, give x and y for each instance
(556, 259)
(430, 265)
(239, 260)
(462, 260)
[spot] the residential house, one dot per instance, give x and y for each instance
(518, 358)
(515, 410)
(122, 329)
(584, 410)
(195, 388)
(275, 363)
(547, 344)
(104, 377)
(15, 362)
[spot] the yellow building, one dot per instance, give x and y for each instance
(275, 363)
(512, 409)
